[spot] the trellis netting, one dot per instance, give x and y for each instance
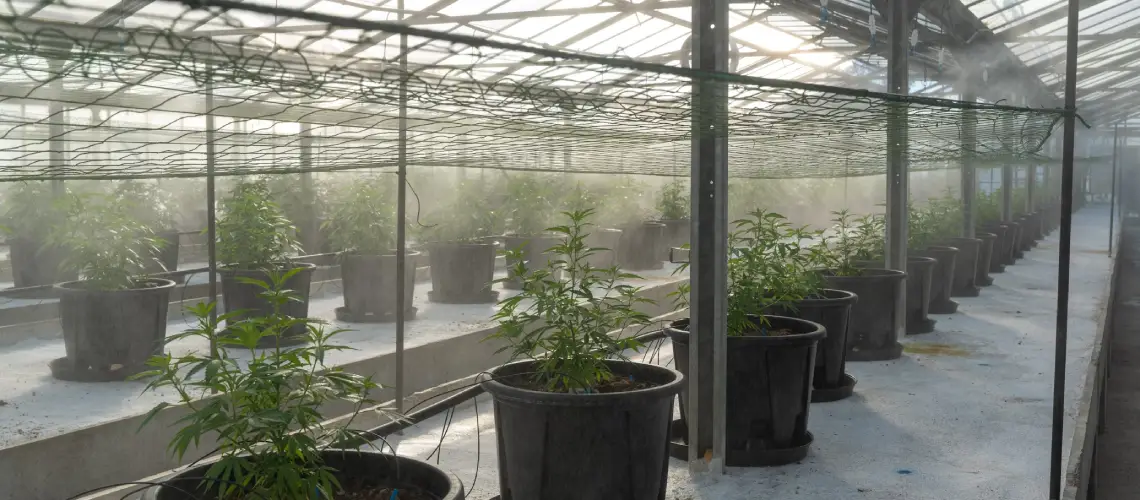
(139, 96)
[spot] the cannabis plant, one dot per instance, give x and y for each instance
(566, 325)
(530, 201)
(104, 241)
(920, 228)
(855, 239)
(362, 218)
(31, 209)
(946, 216)
(673, 202)
(253, 233)
(988, 206)
(264, 406)
(149, 203)
(471, 214)
(772, 264)
(624, 203)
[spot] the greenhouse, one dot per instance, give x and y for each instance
(564, 249)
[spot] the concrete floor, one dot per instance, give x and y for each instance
(34, 405)
(964, 415)
(1117, 458)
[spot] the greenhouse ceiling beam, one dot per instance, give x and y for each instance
(1015, 33)
(1056, 59)
(1090, 36)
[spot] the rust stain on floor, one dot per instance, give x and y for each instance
(935, 349)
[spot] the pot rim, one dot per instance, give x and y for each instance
(674, 332)
(232, 269)
(873, 273)
(75, 287)
(843, 297)
(943, 248)
(501, 391)
(409, 253)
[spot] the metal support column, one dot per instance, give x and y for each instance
(898, 82)
(1112, 190)
(969, 145)
(1007, 192)
(1061, 344)
(401, 216)
(57, 145)
(211, 215)
(709, 234)
(309, 225)
(1030, 188)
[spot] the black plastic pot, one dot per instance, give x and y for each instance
(1025, 237)
(640, 246)
(462, 272)
(942, 278)
(607, 239)
(676, 234)
(244, 297)
(1014, 242)
(166, 259)
(985, 256)
(534, 254)
(871, 335)
(559, 446)
(110, 334)
(999, 256)
(966, 267)
(35, 265)
(919, 276)
(349, 466)
(768, 391)
(832, 311)
(369, 283)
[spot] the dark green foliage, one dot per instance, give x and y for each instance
(148, 203)
(30, 209)
(566, 325)
(263, 407)
(471, 213)
(253, 233)
(674, 201)
(362, 217)
(531, 201)
(104, 240)
(855, 239)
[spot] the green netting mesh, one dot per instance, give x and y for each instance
(144, 98)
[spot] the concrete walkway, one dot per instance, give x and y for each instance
(963, 415)
(1118, 452)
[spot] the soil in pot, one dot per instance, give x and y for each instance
(36, 265)
(677, 234)
(768, 393)
(942, 278)
(462, 272)
(607, 240)
(534, 254)
(364, 475)
(559, 446)
(985, 256)
(640, 246)
(369, 283)
(238, 296)
(966, 267)
(832, 310)
(110, 334)
(1000, 253)
(871, 335)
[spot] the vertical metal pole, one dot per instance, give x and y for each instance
(211, 216)
(898, 82)
(56, 128)
(1062, 341)
(709, 256)
(1030, 188)
(969, 146)
(1112, 191)
(308, 198)
(401, 215)
(1007, 186)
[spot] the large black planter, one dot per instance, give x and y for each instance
(871, 334)
(768, 391)
(246, 298)
(832, 311)
(559, 446)
(110, 334)
(370, 287)
(919, 276)
(640, 246)
(607, 240)
(999, 257)
(985, 256)
(36, 265)
(676, 234)
(349, 466)
(1025, 237)
(462, 272)
(533, 253)
(1014, 241)
(966, 267)
(942, 278)
(166, 258)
